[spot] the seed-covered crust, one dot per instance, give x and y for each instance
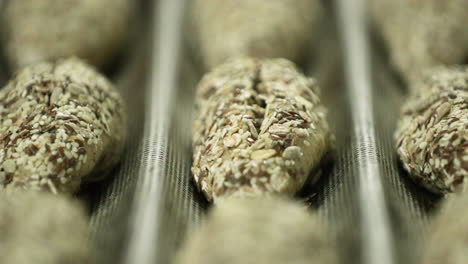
(60, 124)
(448, 234)
(42, 228)
(38, 31)
(259, 128)
(432, 137)
(259, 28)
(422, 33)
(259, 231)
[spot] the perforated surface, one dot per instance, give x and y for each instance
(143, 213)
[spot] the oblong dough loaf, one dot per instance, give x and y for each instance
(259, 128)
(448, 233)
(422, 34)
(60, 124)
(258, 28)
(432, 137)
(46, 30)
(42, 228)
(273, 231)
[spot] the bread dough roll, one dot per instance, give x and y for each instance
(432, 135)
(258, 28)
(259, 128)
(47, 30)
(448, 234)
(420, 34)
(42, 228)
(61, 124)
(264, 231)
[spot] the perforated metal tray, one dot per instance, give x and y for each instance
(377, 214)
(143, 213)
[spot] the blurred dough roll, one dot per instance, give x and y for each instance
(60, 124)
(432, 137)
(45, 30)
(448, 234)
(422, 33)
(42, 228)
(259, 231)
(259, 128)
(259, 28)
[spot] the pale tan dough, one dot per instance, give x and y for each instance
(258, 28)
(448, 233)
(42, 228)
(47, 30)
(259, 231)
(420, 34)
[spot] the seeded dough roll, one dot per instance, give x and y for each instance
(46, 30)
(259, 28)
(422, 33)
(60, 124)
(259, 128)
(432, 137)
(264, 231)
(448, 233)
(42, 228)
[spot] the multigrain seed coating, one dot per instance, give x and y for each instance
(432, 137)
(60, 124)
(259, 128)
(258, 28)
(42, 228)
(448, 234)
(38, 31)
(422, 33)
(263, 231)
